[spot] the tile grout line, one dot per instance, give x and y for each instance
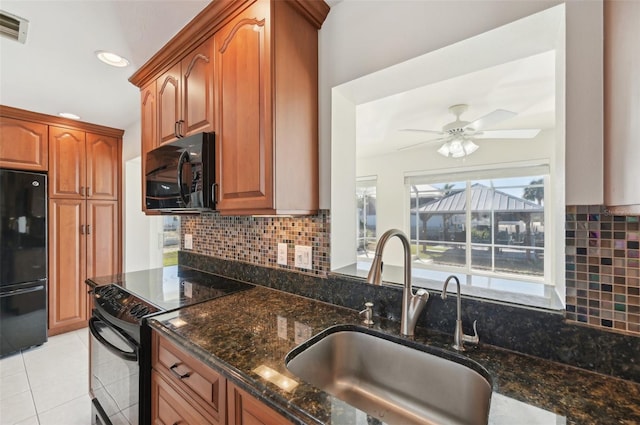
(33, 400)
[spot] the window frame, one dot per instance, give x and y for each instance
(468, 176)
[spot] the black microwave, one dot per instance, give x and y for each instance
(180, 175)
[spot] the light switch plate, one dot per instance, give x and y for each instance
(303, 256)
(282, 254)
(188, 241)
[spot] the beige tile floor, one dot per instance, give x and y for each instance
(47, 385)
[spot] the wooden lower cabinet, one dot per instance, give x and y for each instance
(170, 407)
(186, 391)
(83, 242)
(67, 265)
(244, 409)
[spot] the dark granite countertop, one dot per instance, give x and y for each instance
(237, 333)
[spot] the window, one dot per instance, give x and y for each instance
(488, 224)
(170, 240)
(366, 216)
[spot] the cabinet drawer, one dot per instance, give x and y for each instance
(169, 407)
(244, 409)
(198, 381)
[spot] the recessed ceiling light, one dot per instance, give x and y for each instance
(112, 59)
(69, 115)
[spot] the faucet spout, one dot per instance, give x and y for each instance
(412, 304)
(459, 338)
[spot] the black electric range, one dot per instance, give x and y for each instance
(121, 339)
(126, 299)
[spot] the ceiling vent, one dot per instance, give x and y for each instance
(13, 27)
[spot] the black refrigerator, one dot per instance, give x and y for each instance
(23, 260)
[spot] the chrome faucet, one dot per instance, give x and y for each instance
(412, 304)
(459, 338)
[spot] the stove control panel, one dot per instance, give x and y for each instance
(119, 303)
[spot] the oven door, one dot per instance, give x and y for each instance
(114, 373)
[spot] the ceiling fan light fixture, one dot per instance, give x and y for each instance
(469, 147)
(444, 150)
(457, 151)
(458, 148)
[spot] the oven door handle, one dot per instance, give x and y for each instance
(126, 355)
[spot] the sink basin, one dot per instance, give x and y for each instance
(393, 382)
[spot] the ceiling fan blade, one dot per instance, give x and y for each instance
(423, 143)
(420, 131)
(491, 119)
(522, 133)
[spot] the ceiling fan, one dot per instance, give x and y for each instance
(458, 136)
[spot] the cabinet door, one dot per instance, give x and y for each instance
(25, 145)
(197, 90)
(622, 106)
(103, 167)
(169, 407)
(168, 98)
(67, 174)
(67, 246)
(244, 129)
(244, 409)
(148, 130)
(102, 233)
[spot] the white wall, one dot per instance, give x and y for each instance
(361, 37)
(142, 243)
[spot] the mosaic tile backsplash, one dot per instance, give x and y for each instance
(602, 256)
(603, 269)
(255, 240)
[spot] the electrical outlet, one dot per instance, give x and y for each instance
(282, 254)
(282, 327)
(188, 241)
(303, 256)
(301, 332)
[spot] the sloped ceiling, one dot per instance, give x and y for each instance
(56, 70)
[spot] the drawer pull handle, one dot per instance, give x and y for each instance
(178, 374)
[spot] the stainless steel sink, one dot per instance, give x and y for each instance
(393, 382)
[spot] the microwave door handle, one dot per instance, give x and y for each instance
(126, 355)
(184, 157)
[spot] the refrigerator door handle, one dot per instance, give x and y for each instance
(21, 291)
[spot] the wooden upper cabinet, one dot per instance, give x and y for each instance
(185, 96)
(197, 90)
(168, 98)
(67, 152)
(83, 165)
(244, 138)
(267, 127)
(247, 70)
(24, 145)
(102, 156)
(149, 131)
(622, 106)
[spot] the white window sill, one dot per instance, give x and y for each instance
(504, 290)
